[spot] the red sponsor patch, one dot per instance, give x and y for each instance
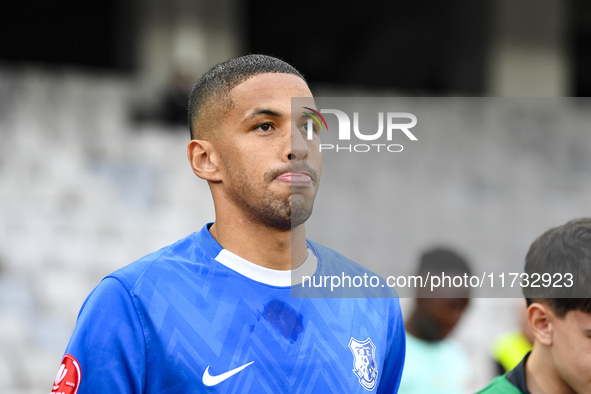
(68, 377)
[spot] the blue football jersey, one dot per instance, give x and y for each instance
(196, 318)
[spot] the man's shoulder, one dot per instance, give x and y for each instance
(194, 250)
(353, 279)
(333, 260)
(130, 273)
(500, 385)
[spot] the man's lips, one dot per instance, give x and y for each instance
(295, 178)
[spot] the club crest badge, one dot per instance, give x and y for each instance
(364, 364)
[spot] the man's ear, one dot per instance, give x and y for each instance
(540, 319)
(204, 160)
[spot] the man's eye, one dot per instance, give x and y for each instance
(315, 128)
(265, 127)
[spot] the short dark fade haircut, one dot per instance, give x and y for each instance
(214, 87)
(559, 251)
(441, 259)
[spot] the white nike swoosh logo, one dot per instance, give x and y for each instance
(209, 380)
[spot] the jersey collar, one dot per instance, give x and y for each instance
(280, 278)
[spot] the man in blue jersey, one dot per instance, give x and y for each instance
(214, 311)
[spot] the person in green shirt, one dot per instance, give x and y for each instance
(558, 314)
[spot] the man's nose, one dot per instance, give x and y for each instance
(298, 149)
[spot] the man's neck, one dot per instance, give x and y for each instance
(263, 245)
(541, 374)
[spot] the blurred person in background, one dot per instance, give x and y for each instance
(174, 100)
(558, 317)
(434, 363)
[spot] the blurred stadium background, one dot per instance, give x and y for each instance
(93, 173)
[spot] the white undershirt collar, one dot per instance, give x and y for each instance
(269, 276)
